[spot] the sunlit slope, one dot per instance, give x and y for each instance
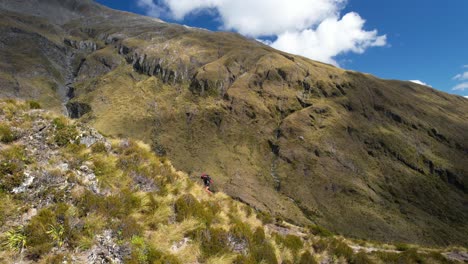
(365, 157)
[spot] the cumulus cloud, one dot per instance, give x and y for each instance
(151, 8)
(332, 37)
(420, 82)
(312, 28)
(461, 76)
(461, 86)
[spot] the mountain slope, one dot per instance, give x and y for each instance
(364, 157)
(68, 194)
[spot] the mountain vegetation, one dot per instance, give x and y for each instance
(296, 139)
(70, 195)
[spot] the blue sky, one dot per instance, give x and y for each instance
(422, 40)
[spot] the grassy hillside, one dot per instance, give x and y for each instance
(308, 142)
(68, 194)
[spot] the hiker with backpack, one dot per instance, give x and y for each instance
(207, 182)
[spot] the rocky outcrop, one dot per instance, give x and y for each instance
(82, 45)
(77, 109)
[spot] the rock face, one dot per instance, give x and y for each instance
(77, 110)
(301, 139)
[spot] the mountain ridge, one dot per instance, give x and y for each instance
(301, 139)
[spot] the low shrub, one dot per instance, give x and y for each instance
(388, 257)
(320, 231)
(187, 206)
(99, 147)
(119, 205)
(34, 105)
(16, 239)
(213, 241)
(143, 253)
(409, 256)
(265, 217)
(12, 163)
(341, 249)
(241, 259)
(264, 253)
(6, 134)
(292, 242)
(361, 258)
(259, 236)
(402, 246)
(102, 166)
(307, 258)
(241, 232)
(320, 245)
(64, 133)
(65, 136)
(38, 241)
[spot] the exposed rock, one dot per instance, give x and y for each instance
(177, 246)
(238, 245)
(77, 109)
(83, 45)
(27, 182)
(107, 250)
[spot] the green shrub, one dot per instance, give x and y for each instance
(64, 133)
(248, 210)
(128, 227)
(38, 240)
(361, 258)
(307, 258)
(402, 246)
(140, 250)
(292, 242)
(65, 136)
(411, 256)
(341, 249)
(214, 241)
(57, 234)
(264, 252)
(259, 236)
(6, 134)
(320, 231)
(12, 163)
(103, 167)
(388, 257)
(99, 147)
(143, 253)
(34, 105)
(16, 239)
(118, 205)
(241, 232)
(241, 259)
(265, 217)
(320, 245)
(59, 122)
(187, 206)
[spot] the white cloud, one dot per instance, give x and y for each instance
(332, 37)
(151, 8)
(466, 96)
(420, 82)
(461, 76)
(461, 86)
(261, 17)
(312, 28)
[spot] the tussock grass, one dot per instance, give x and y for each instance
(175, 221)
